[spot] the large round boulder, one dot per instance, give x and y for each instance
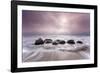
(55, 43)
(71, 42)
(39, 41)
(48, 41)
(61, 42)
(79, 42)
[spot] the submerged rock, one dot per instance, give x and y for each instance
(84, 48)
(80, 42)
(39, 41)
(48, 41)
(71, 42)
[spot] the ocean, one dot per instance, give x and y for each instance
(30, 50)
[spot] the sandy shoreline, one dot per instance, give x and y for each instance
(54, 55)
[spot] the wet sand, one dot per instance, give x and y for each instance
(54, 55)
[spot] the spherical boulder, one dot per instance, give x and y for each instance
(61, 42)
(55, 43)
(71, 42)
(39, 41)
(48, 41)
(79, 42)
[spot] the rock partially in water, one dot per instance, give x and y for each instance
(71, 42)
(79, 42)
(48, 41)
(39, 41)
(55, 43)
(61, 42)
(58, 40)
(84, 48)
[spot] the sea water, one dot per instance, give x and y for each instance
(29, 40)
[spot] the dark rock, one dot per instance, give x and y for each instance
(58, 41)
(39, 42)
(83, 48)
(71, 42)
(61, 42)
(55, 43)
(48, 41)
(80, 42)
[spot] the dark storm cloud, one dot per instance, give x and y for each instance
(55, 22)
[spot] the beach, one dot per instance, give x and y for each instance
(54, 55)
(49, 52)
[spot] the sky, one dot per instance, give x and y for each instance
(50, 22)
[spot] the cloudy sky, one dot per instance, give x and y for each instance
(44, 22)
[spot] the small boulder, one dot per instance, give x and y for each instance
(39, 41)
(58, 40)
(61, 42)
(55, 43)
(79, 42)
(83, 48)
(48, 41)
(71, 42)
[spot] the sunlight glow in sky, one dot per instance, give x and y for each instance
(55, 22)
